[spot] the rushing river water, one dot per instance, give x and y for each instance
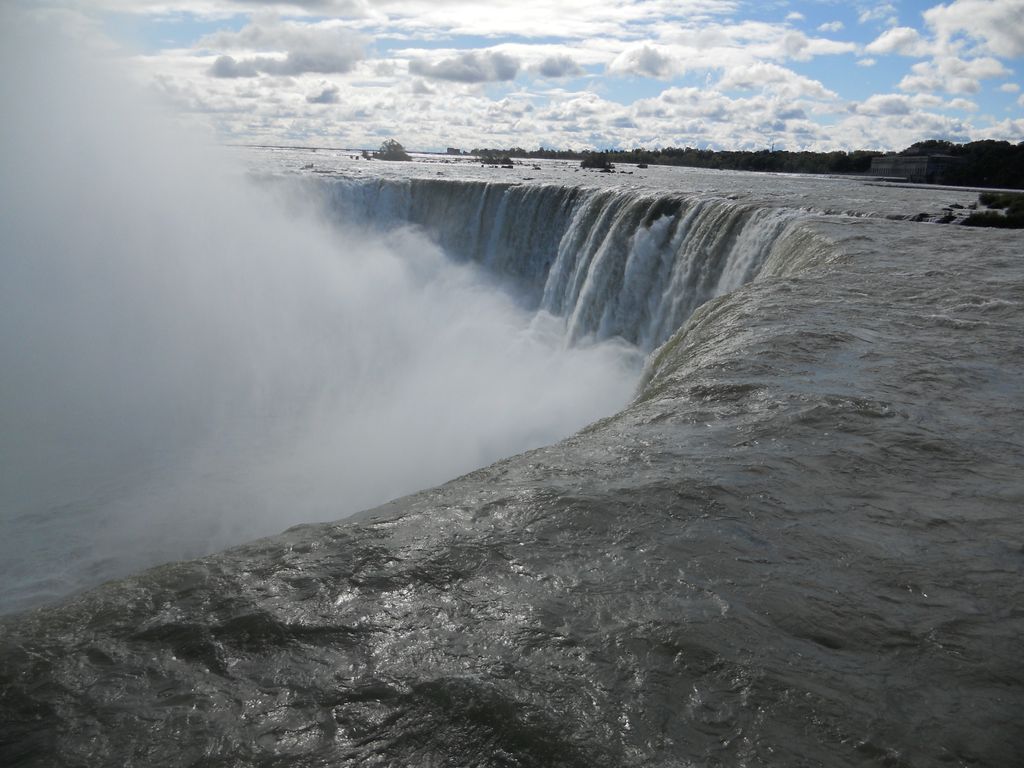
(800, 544)
(207, 362)
(744, 458)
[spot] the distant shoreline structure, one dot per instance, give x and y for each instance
(986, 164)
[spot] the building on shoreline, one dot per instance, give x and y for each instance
(919, 169)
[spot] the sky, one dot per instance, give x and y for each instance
(578, 74)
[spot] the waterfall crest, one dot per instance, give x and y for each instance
(611, 263)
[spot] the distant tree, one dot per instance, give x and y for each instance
(932, 147)
(391, 150)
(986, 163)
(989, 163)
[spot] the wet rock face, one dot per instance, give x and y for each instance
(799, 546)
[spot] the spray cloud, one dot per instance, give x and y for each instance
(188, 363)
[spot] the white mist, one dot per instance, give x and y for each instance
(186, 363)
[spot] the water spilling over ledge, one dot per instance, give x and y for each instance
(347, 367)
(800, 544)
(612, 263)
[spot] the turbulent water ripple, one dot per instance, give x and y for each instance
(801, 545)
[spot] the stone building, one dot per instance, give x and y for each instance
(919, 169)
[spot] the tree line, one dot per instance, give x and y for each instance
(987, 163)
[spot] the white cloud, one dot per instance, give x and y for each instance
(1005, 130)
(645, 60)
(884, 104)
(228, 67)
(794, 16)
(328, 95)
(274, 76)
(558, 66)
(963, 104)
(926, 101)
(773, 78)
(292, 64)
(471, 67)
(902, 40)
(421, 88)
(998, 25)
(952, 74)
(573, 19)
(223, 9)
(883, 12)
(297, 48)
(796, 45)
(703, 116)
(568, 19)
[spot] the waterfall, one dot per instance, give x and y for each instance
(610, 263)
